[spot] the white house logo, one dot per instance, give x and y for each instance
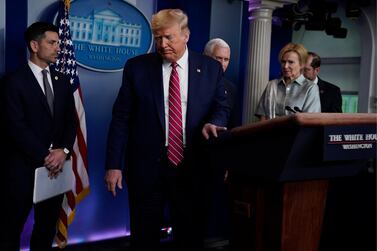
(106, 34)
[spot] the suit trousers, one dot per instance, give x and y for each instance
(183, 192)
(18, 198)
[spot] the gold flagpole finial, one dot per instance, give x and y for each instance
(67, 4)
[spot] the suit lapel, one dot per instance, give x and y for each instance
(155, 78)
(56, 85)
(320, 87)
(194, 74)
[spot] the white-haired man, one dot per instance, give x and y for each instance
(218, 225)
(219, 50)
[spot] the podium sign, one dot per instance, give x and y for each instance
(349, 142)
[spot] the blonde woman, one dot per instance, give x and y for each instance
(292, 92)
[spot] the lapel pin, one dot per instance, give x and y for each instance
(56, 78)
(197, 70)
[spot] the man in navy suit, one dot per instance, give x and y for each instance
(141, 127)
(219, 50)
(37, 133)
(331, 99)
(218, 224)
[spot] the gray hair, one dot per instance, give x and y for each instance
(208, 49)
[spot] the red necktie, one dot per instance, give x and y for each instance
(175, 140)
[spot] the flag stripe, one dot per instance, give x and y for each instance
(66, 64)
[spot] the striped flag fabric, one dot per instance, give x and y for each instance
(66, 64)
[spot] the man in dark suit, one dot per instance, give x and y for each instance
(39, 131)
(218, 221)
(331, 99)
(161, 127)
(219, 50)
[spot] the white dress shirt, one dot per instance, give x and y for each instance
(37, 71)
(315, 81)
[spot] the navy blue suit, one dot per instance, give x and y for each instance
(231, 90)
(331, 98)
(137, 132)
(30, 129)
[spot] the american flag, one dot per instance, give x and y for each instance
(66, 64)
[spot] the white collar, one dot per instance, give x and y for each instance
(182, 62)
(315, 81)
(36, 68)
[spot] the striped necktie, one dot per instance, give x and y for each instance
(175, 139)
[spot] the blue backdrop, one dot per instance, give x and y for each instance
(101, 216)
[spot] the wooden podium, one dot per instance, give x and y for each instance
(279, 171)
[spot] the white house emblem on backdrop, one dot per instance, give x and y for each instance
(106, 34)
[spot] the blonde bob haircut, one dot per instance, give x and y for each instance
(169, 17)
(298, 48)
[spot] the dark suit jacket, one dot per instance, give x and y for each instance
(29, 126)
(331, 99)
(231, 92)
(138, 122)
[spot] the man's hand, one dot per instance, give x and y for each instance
(113, 179)
(226, 175)
(54, 162)
(211, 130)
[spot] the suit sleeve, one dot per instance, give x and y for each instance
(18, 129)
(119, 125)
(221, 112)
(70, 120)
(337, 105)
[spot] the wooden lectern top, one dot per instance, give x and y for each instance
(307, 120)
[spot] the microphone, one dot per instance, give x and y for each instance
(288, 108)
(297, 109)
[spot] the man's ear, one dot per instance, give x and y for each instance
(187, 36)
(34, 46)
(316, 70)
